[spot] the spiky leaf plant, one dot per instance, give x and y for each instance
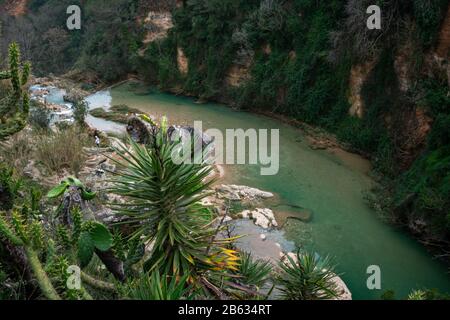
(254, 272)
(159, 287)
(309, 278)
(417, 295)
(20, 231)
(163, 209)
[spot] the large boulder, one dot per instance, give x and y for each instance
(144, 132)
(139, 130)
(264, 218)
(244, 193)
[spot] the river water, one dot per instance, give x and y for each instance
(332, 185)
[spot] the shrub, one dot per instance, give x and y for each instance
(39, 116)
(80, 111)
(429, 14)
(309, 278)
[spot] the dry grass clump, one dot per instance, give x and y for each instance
(62, 149)
(54, 152)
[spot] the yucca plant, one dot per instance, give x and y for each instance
(163, 209)
(254, 272)
(159, 287)
(417, 295)
(309, 278)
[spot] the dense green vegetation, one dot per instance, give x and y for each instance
(165, 244)
(103, 51)
(14, 102)
(295, 58)
(299, 55)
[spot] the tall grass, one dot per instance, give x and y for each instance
(62, 149)
(17, 151)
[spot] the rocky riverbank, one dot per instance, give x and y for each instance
(259, 236)
(240, 206)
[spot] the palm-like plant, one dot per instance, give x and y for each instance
(309, 278)
(163, 208)
(159, 287)
(254, 272)
(417, 295)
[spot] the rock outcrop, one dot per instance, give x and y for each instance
(182, 61)
(264, 218)
(139, 130)
(14, 7)
(239, 193)
(74, 95)
(358, 76)
(157, 25)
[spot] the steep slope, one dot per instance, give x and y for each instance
(15, 7)
(382, 92)
(443, 48)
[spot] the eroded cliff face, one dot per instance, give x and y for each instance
(442, 53)
(358, 76)
(157, 25)
(14, 7)
(443, 47)
(237, 75)
(182, 61)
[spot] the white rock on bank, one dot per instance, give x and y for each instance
(237, 193)
(343, 291)
(208, 201)
(227, 219)
(261, 217)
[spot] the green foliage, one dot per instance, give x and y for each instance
(388, 295)
(163, 208)
(95, 236)
(14, 108)
(308, 279)
(436, 98)
(254, 272)
(429, 15)
(59, 190)
(421, 294)
(22, 229)
(101, 237)
(80, 111)
(39, 116)
(417, 295)
(428, 181)
(9, 188)
(110, 49)
(85, 249)
(105, 49)
(159, 287)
